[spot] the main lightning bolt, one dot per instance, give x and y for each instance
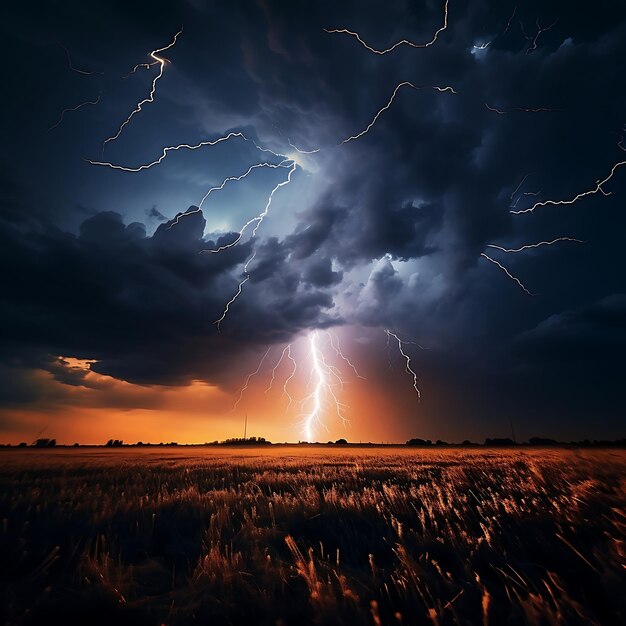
(407, 358)
(506, 271)
(403, 42)
(322, 374)
(162, 61)
(69, 109)
(597, 189)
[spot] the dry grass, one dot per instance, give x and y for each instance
(279, 536)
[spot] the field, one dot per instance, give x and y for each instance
(292, 535)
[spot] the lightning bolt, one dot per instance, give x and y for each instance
(248, 378)
(69, 109)
(302, 151)
(165, 151)
(150, 98)
(75, 69)
(334, 342)
(533, 45)
(403, 42)
(405, 83)
(506, 271)
(508, 24)
(145, 66)
(223, 184)
(288, 379)
(322, 374)
(407, 358)
(584, 194)
(498, 111)
(534, 245)
(246, 278)
(258, 220)
(183, 146)
(286, 349)
(522, 109)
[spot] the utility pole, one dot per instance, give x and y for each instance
(512, 431)
(245, 426)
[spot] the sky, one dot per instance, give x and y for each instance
(366, 298)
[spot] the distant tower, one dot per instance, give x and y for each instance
(245, 426)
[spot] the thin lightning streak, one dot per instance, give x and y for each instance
(334, 342)
(534, 245)
(75, 69)
(145, 66)
(162, 62)
(69, 109)
(246, 384)
(519, 186)
(258, 220)
(506, 271)
(398, 43)
(280, 360)
(498, 111)
(406, 83)
(508, 24)
(288, 379)
(591, 192)
(166, 151)
(522, 110)
(246, 278)
(540, 30)
(302, 151)
(222, 185)
(409, 370)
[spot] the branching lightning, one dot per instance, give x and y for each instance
(69, 109)
(166, 151)
(223, 184)
(324, 380)
(533, 45)
(403, 42)
(334, 342)
(407, 358)
(506, 271)
(597, 189)
(258, 220)
(162, 61)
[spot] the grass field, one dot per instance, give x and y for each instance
(312, 536)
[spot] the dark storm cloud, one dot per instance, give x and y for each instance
(398, 219)
(141, 306)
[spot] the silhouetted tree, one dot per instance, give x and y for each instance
(43, 442)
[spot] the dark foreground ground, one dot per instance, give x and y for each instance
(284, 536)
